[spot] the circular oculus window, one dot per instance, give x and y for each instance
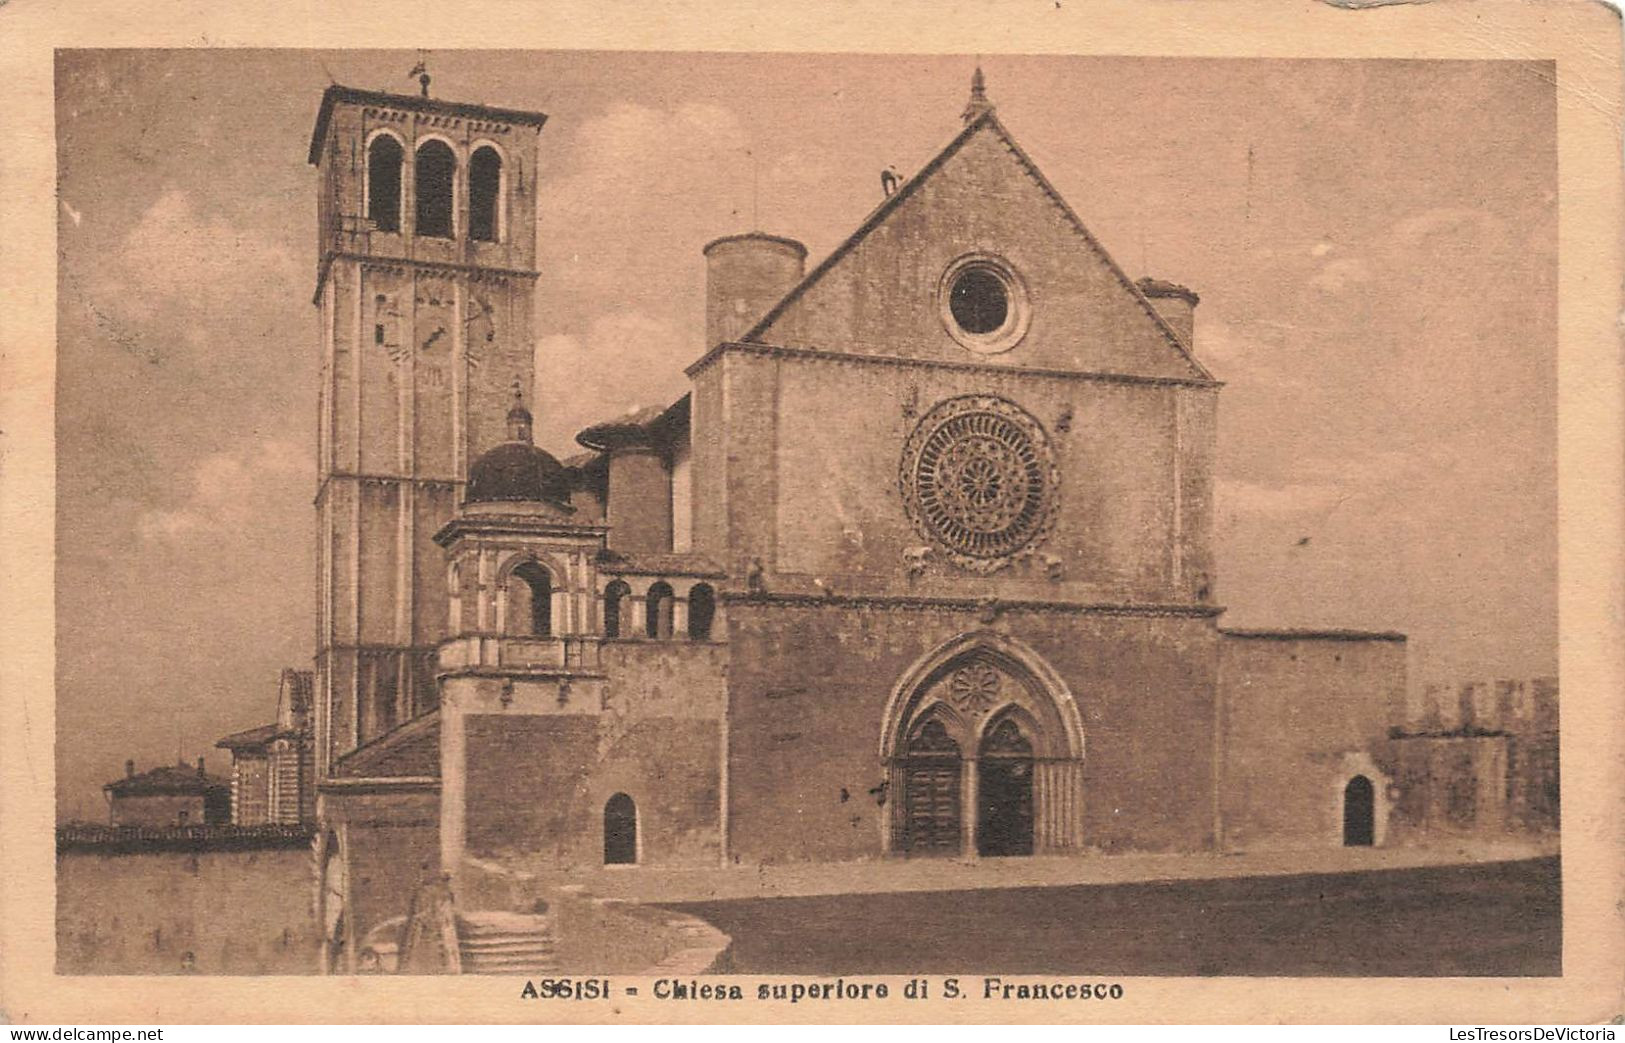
(983, 303)
(979, 479)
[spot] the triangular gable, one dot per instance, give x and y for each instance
(761, 332)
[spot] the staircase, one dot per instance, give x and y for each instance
(491, 942)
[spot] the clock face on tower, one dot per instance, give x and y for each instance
(434, 319)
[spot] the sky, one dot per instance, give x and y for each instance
(1374, 243)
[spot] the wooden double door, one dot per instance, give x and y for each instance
(931, 819)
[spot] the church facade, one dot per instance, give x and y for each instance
(921, 566)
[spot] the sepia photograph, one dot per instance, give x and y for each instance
(592, 513)
(734, 524)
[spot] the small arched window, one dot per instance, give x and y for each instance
(657, 607)
(702, 608)
(384, 158)
(484, 194)
(436, 174)
(530, 601)
(616, 601)
(620, 831)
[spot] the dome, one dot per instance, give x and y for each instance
(517, 471)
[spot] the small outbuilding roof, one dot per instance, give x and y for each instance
(166, 779)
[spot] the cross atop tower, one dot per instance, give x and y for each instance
(421, 71)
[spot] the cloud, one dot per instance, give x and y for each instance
(623, 360)
(229, 491)
(1340, 274)
(635, 169)
(1255, 353)
(174, 253)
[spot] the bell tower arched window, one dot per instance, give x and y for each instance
(436, 175)
(384, 159)
(484, 195)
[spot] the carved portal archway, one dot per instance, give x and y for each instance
(983, 745)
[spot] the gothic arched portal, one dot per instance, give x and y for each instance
(983, 744)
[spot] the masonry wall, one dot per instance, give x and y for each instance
(808, 689)
(537, 782)
(1301, 717)
(236, 912)
(390, 842)
(1453, 785)
(158, 809)
(818, 494)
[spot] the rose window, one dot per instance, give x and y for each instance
(978, 477)
(974, 686)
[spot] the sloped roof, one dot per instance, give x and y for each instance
(411, 750)
(248, 739)
(988, 121)
(337, 93)
(167, 779)
(647, 425)
(654, 563)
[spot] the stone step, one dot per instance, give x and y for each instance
(503, 948)
(509, 966)
(498, 942)
(486, 922)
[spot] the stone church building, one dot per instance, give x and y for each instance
(921, 566)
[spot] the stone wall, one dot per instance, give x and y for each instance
(1479, 757)
(1303, 714)
(389, 842)
(808, 692)
(537, 782)
(235, 912)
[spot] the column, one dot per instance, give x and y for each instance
(967, 808)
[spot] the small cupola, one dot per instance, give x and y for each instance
(517, 471)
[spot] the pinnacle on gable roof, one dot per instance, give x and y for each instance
(978, 104)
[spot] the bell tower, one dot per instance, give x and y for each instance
(425, 277)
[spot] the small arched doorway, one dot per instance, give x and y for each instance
(1359, 813)
(1004, 794)
(620, 831)
(929, 824)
